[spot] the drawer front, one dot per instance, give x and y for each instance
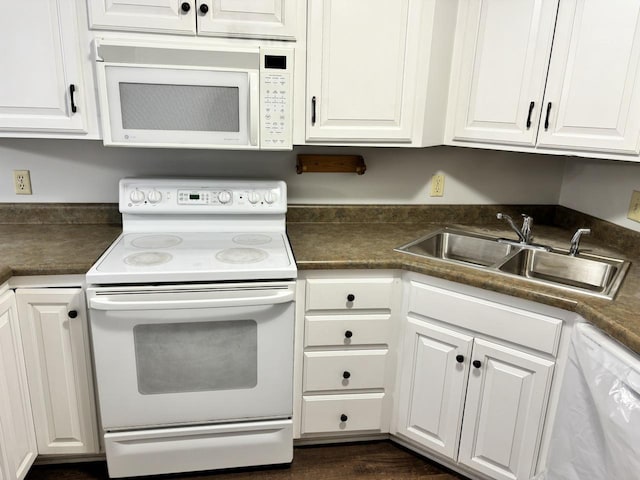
(324, 413)
(349, 294)
(344, 370)
(344, 330)
(522, 327)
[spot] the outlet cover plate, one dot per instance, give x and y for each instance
(22, 182)
(634, 207)
(437, 185)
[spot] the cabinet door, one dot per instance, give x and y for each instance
(163, 16)
(502, 57)
(433, 384)
(39, 62)
(248, 18)
(361, 59)
(17, 436)
(593, 89)
(505, 406)
(54, 327)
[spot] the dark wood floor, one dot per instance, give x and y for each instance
(363, 461)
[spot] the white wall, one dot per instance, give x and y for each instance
(86, 171)
(601, 188)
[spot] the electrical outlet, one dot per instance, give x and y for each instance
(634, 207)
(22, 182)
(437, 185)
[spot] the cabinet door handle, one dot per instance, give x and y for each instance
(531, 105)
(185, 7)
(346, 375)
(546, 120)
(204, 8)
(313, 110)
(343, 418)
(72, 91)
(459, 358)
(477, 363)
(72, 313)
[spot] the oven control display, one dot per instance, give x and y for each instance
(205, 197)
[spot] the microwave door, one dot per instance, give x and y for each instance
(152, 106)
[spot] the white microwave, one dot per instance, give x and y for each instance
(182, 95)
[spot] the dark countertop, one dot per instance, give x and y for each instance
(42, 249)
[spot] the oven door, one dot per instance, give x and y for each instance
(192, 354)
(150, 105)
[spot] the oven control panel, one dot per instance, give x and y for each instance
(203, 196)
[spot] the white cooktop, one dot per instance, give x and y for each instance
(198, 230)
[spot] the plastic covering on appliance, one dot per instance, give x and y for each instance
(597, 429)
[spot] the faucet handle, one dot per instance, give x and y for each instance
(575, 240)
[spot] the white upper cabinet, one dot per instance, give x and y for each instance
(228, 18)
(17, 436)
(502, 55)
(361, 69)
(593, 89)
(42, 87)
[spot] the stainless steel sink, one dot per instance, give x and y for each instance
(591, 274)
(584, 272)
(459, 247)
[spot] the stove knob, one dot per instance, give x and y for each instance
(224, 197)
(154, 196)
(254, 197)
(137, 196)
(270, 197)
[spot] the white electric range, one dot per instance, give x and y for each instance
(192, 316)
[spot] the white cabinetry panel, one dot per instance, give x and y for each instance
(59, 369)
(17, 436)
(433, 385)
(593, 88)
(344, 370)
(40, 62)
(341, 413)
(506, 400)
(144, 15)
(502, 58)
(361, 61)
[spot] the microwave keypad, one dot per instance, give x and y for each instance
(276, 123)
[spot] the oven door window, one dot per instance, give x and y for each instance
(196, 357)
(165, 106)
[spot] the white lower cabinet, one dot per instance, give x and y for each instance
(346, 358)
(17, 436)
(56, 347)
(469, 395)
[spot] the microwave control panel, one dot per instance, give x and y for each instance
(276, 67)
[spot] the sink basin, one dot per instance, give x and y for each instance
(591, 273)
(459, 247)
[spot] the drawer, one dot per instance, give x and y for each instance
(522, 327)
(342, 330)
(349, 294)
(341, 413)
(327, 370)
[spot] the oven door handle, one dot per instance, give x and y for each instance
(108, 303)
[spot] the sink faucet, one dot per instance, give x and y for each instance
(524, 233)
(575, 240)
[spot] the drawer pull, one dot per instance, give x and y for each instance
(459, 358)
(343, 418)
(348, 334)
(351, 297)
(346, 374)
(477, 363)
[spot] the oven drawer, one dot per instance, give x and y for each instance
(344, 370)
(145, 452)
(349, 294)
(343, 330)
(341, 413)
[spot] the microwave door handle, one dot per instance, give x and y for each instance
(254, 108)
(107, 303)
